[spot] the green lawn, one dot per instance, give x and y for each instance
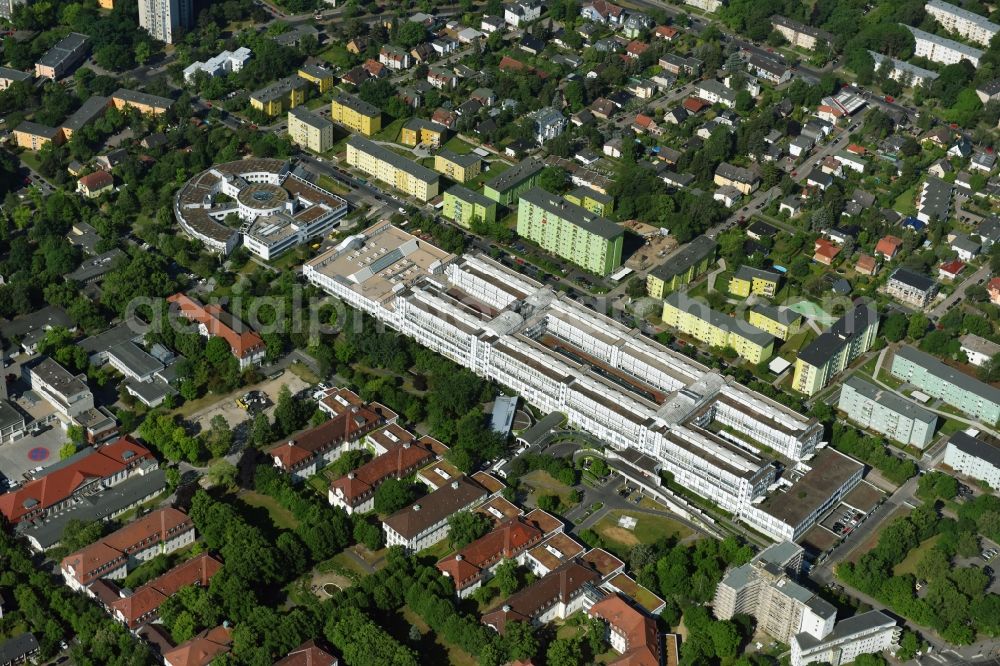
(721, 283)
(391, 131)
(906, 202)
(456, 145)
(280, 516)
(909, 564)
(330, 184)
(497, 167)
(543, 483)
(648, 529)
(303, 372)
(337, 55)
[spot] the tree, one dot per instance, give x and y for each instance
(66, 450)
(260, 431)
(465, 527)
(222, 473)
(564, 652)
(917, 327)
(219, 438)
(520, 641)
(552, 179)
(392, 495)
(505, 577)
(895, 327)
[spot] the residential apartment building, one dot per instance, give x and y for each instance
(978, 350)
(765, 590)
(202, 649)
(159, 532)
(829, 354)
(89, 111)
(505, 187)
(63, 58)
(391, 168)
(715, 329)
(32, 136)
(319, 76)
(801, 35)
(355, 491)
(310, 130)
(902, 71)
(425, 522)
(356, 114)
(594, 201)
(569, 231)
(866, 633)
(459, 168)
(682, 267)
(212, 320)
(88, 473)
(744, 180)
(560, 356)
(311, 450)
(969, 25)
(10, 76)
(280, 96)
(463, 206)
(886, 412)
(715, 92)
(165, 20)
(394, 57)
(152, 105)
(748, 280)
(781, 323)
(941, 50)
(419, 131)
(705, 5)
(549, 123)
(933, 377)
(974, 454)
(225, 62)
(912, 288)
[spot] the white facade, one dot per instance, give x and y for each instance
(225, 63)
(868, 633)
(705, 5)
(523, 11)
(974, 457)
(162, 18)
(973, 27)
(68, 394)
(662, 406)
(944, 51)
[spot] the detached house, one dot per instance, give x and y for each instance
(394, 57)
(601, 11)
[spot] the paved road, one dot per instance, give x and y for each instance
(941, 308)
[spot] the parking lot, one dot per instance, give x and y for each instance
(29, 452)
(235, 415)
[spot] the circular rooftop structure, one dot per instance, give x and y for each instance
(261, 199)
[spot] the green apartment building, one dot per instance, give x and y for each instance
(829, 354)
(505, 187)
(592, 200)
(682, 267)
(971, 396)
(569, 231)
(463, 206)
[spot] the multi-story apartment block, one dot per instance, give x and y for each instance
(418, 130)
(549, 123)
(32, 136)
(310, 130)
(160, 532)
(62, 58)
(225, 62)
(911, 288)
(682, 267)
(10, 76)
(969, 25)
(594, 201)
(505, 187)
(829, 354)
(152, 105)
(459, 168)
(886, 412)
(764, 589)
(867, 633)
(744, 180)
(570, 232)
(971, 396)
(715, 92)
(557, 355)
(976, 455)
(389, 167)
(88, 473)
(715, 329)
(781, 323)
(356, 114)
(939, 49)
(317, 75)
(165, 19)
(748, 280)
(425, 522)
(801, 35)
(280, 96)
(463, 206)
(394, 57)
(902, 71)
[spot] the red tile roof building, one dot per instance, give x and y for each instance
(951, 269)
(94, 183)
(993, 287)
(867, 265)
(470, 567)
(825, 251)
(425, 522)
(355, 491)
(308, 654)
(202, 649)
(888, 246)
(161, 531)
(632, 633)
(695, 104)
(665, 32)
(636, 48)
(103, 467)
(555, 596)
(307, 451)
(212, 320)
(143, 605)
